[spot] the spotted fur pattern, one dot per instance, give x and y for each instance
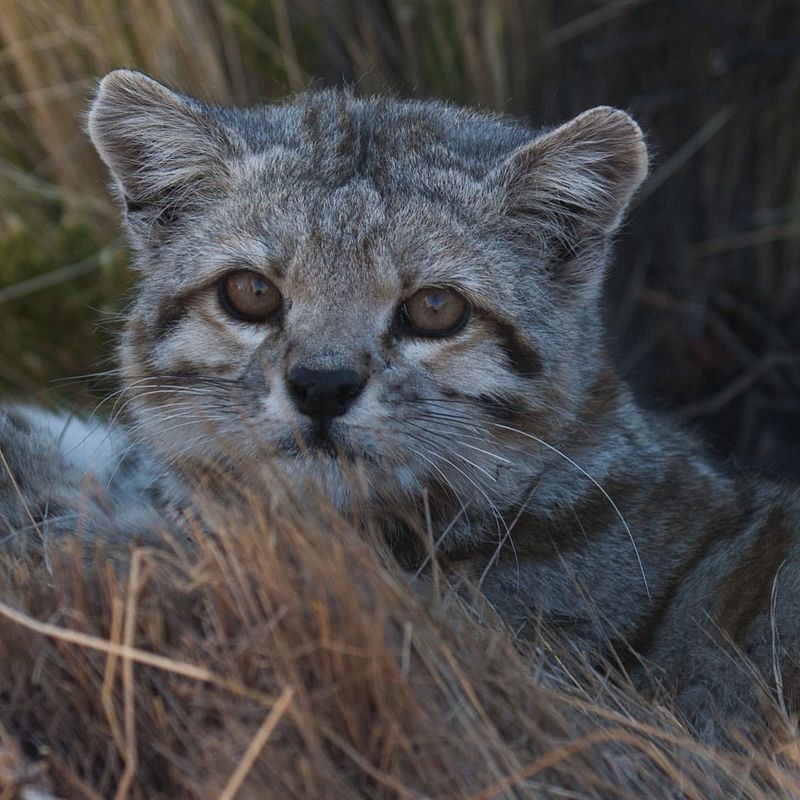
(546, 484)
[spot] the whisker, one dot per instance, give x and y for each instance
(498, 516)
(469, 431)
(503, 538)
(447, 482)
(150, 391)
(35, 526)
(450, 525)
(108, 373)
(511, 527)
(440, 436)
(597, 484)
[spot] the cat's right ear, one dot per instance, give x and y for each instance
(165, 150)
(567, 190)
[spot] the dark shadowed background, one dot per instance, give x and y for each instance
(704, 298)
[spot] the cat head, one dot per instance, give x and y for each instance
(400, 291)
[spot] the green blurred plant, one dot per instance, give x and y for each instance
(56, 325)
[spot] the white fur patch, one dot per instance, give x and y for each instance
(91, 447)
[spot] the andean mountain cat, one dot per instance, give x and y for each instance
(393, 300)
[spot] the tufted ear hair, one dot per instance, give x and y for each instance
(576, 181)
(164, 150)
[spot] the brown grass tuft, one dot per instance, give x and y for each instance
(283, 656)
(279, 656)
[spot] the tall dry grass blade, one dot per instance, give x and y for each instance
(132, 653)
(58, 276)
(257, 745)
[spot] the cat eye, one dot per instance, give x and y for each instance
(435, 312)
(248, 296)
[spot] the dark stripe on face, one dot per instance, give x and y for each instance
(521, 357)
(512, 410)
(170, 312)
(138, 365)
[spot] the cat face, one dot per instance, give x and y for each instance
(386, 299)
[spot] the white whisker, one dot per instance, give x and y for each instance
(597, 484)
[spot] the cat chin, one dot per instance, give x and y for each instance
(346, 483)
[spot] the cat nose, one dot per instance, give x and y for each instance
(321, 393)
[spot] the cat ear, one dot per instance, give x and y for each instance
(164, 150)
(576, 181)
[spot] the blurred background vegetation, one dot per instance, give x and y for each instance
(704, 299)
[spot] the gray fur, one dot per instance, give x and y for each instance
(548, 487)
(348, 205)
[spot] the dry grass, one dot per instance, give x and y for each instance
(282, 657)
(61, 256)
(54, 52)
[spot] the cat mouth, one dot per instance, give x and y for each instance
(320, 438)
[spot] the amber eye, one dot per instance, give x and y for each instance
(435, 312)
(248, 296)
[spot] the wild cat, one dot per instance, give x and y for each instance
(397, 302)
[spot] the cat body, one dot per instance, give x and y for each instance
(397, 304)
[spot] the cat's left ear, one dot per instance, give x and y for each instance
(577, 180)
(166, 151)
